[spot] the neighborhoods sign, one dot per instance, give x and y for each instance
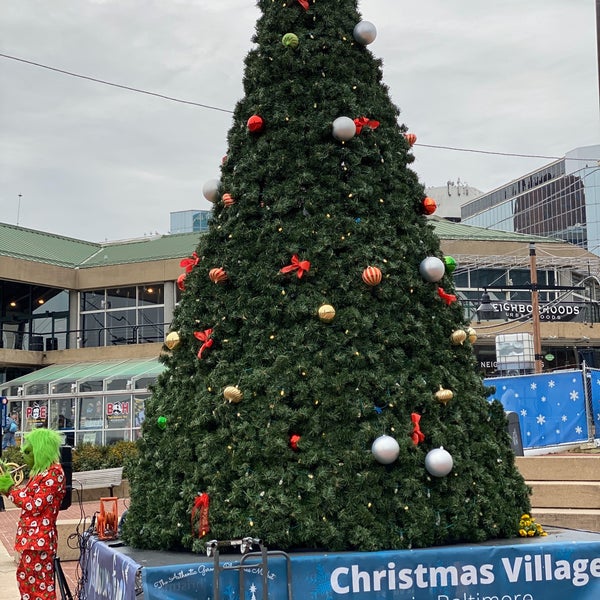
(554, 311)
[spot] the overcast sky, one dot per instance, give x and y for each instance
(95, 162)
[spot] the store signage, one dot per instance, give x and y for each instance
(553, 311)
(36, 412)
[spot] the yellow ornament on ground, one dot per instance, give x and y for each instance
(326, 313)
(233, 394)
(172, 340)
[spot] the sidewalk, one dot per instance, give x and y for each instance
(8, 583)
(78, 514)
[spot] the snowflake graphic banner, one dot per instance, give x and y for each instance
(551, 407)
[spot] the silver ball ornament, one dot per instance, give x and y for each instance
(364, 32)
(385, 449)
(432, 268)
(210, 190)
(439, 462)
(344, 129)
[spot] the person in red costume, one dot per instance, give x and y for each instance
(39, 500)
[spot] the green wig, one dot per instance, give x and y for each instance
(44, 444)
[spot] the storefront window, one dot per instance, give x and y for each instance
(91, 415)
(129, 315)
(139, 404)
(62, 418)
(104, 405)
(93, 327)
(118, 435)
(121, 297)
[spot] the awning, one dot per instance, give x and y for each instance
(85, 377)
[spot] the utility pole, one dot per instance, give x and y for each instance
(535, 308)
(19, 207)
(598, 42)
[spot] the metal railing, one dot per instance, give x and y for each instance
(79, 338)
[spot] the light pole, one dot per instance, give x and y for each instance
(535, 310)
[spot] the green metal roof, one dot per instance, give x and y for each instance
(159, 248)
(448, 230)
(47, 248)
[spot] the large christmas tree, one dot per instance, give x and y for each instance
(320, 389)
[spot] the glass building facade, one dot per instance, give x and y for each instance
(97, 403)
(187, 221)
(123, 315)
(560, 200)
(33, 317)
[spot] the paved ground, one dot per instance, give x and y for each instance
(81, 513)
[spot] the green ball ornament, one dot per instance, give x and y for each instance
(290, 40)
(450, 264)
(161, 422)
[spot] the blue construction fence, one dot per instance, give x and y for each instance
(562, 407)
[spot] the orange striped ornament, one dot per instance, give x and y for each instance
(218, 275)
(372, 276)
(228, 200)
(411, 138)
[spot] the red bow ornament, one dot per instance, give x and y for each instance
(304, 4)
(447, 298)
(417, 435)
(361, 122)
(201, 509)
(301, 266)
(189, 263)
(205, 337)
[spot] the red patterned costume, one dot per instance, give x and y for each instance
(36, 538)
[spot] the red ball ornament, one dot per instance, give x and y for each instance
(181, 281)
(411, 138)
(372, 276)
(228, 200)
(218, 275)
(429, 206)
(294, 439)
(255, 124)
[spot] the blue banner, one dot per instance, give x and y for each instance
(107, 575)
(551, 407)
(531, 570)
(595, 387)
(3, 412)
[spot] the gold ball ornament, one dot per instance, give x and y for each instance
(326, 313)
(233, 394)
(444, 396)
(172, 340)
(458, 337)
(472, 335)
